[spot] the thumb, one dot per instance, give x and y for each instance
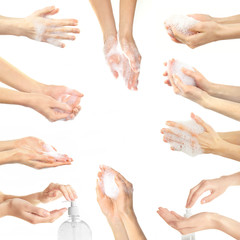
(46, 11)
(62, 106)
(209, 198)
(121, 185)
(39, 212)
(74, 92)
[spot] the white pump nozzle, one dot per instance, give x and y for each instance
(73, 210)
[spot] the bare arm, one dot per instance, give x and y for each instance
(228, 20)
(231, 137)
(104, 13)
(14, 78)
(127, 12)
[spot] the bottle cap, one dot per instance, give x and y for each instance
(73, 210)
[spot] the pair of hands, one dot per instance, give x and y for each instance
(201, 221)
(114, 209)
(39, 26)
(200, 93)
(206, 31)
(25, 210)
(56, 102)
(209, 141)
(123, 62)
(32, 152)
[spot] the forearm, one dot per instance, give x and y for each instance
(228, 150)
(232, 180)
(231, 137)
(231, 93)
(225, 107)
(118, 229)
(104, 13)
(228, 20)
(229, 31)
(4, 208)
(228, 226)
(132, 226)
(8, 96)
(127, 12)
(7, 145)
(11, 26)
(14, 78)
(8, 157)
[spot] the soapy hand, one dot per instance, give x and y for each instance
(216, 187)
(193, 93)
(52, 109)
(22, 209)
(38, 26)
(131, 62)
(35, 159)
(204, 32)
(209, 140)
(55, 191)
(123, 62)
(198, 222)
(65, 95)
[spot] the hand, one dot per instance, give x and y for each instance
(216, 187)
(131, 62)
(205, 32)
(113, 56)
(198, 222)
(22, 209)
(55, 191)
(193, 93)
(109, 209)
(202, 17)
(209, 140)
(65, 95)
(200, 80)
(38, 26)
(50, 108)
(35, 159)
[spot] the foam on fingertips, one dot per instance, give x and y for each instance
(175, 68)
(109, 185)
(182, 140)
(181, 23)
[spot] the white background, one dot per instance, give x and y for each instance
(116, 126)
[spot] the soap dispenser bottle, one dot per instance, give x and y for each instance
(190, 236)
(74, 228)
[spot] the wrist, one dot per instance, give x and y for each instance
(109, 34)
(12, 26)
(5, 208)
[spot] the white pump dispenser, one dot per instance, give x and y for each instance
(190, 236)
(74, 228)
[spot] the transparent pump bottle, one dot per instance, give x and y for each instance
(190, 236)
(74, 228)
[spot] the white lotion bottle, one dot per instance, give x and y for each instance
(190, 236)
(74, 228)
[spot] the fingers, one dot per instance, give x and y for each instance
(46, 11)
(209, 198)
(55, 42)
(67, 191)
(62, 22)
(62, 30)
(100, 193)
(62, 106)
(195, 193)
(60, 36)
(198, 120)
(41, 165)
(190, 73)
(73, 92)
(179, 126)
(121, 184)
(44, 158)
(53, 215)
(38, 211)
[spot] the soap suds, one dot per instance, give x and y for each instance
(181, 23)
(175, 68)
(109, 185)
(112, 50)
(50, 151)
(183, 141)
(190, 236)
